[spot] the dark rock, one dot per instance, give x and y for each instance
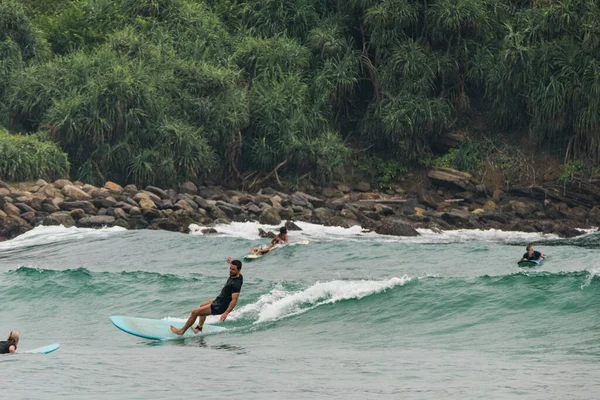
(189, 187)
(96, 221)
(166, 204)
(241, 218)
(137, 222)
(150, 213)
(24, 207)
(12, 226)
(396, 227)
(362, 187)
(290, 226)
(209, 231)
(28, 216)
(286, 213)
(122, 223)
(264, 234)
(77, 214)
(341, 221)
(104, 202)
(130, 190)
(202, 203)
(269, 216)
(451, 178)
(86, 206)
(157, 191)
(459, 219)
(430, 199)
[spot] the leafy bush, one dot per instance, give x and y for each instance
(31, 157)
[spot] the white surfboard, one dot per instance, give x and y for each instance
(42, 350)
(158, 329)
(255, 256)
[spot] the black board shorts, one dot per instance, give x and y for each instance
(217, 309)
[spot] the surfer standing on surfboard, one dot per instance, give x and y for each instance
(10, 345)
(278, 239)
(532, 254)
(222, 305)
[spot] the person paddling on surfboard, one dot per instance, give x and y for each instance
(222, 305)
(10, 345)
(532, 254)
(278, 239)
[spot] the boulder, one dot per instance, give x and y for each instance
(341, 221)
(61, 183)
(183, 205)
(396, 227)
(269, 216)
(86, 206)
(209, 231)
(362, 187)
(430, 199)
(137, 222)
(24, 207)
(265, 234)
(77, 214)
(59, 218)
(104, 202)
(130, 190)
(459, 219)
(146, 204)
(451, 178)
(12, 226)
(12, 210)
(96, 221)
(321, 215)
(331, 192)
(113, 187)
(157, 191)
(290, 226)
(189, 188)
(74, 193)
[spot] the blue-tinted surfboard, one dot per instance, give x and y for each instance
(43, 350)
(157, 329)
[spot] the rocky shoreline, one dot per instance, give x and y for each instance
(452, 200)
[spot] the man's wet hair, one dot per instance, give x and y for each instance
(528, 246)
(283, 230)
(237, 263)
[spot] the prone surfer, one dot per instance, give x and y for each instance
(532, 254)
(221, 305)
(282, 237)
(10, 345)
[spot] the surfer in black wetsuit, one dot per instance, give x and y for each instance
(222, 304)
(10, 345)
(278, 239)
(532, 254)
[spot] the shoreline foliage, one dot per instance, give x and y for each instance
(161, 91)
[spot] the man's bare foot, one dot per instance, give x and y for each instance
(197, 329)
(176, 331)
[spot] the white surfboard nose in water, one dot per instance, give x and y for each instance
(157, 329)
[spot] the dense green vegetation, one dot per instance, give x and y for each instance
(160, 91)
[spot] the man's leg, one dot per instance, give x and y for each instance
(198, 328)
(198, 312)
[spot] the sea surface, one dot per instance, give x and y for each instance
(351, 315)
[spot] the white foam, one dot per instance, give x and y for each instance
(54, 234)
(314, 232)
(279, 303)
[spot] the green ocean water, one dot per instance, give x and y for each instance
(349, 316)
